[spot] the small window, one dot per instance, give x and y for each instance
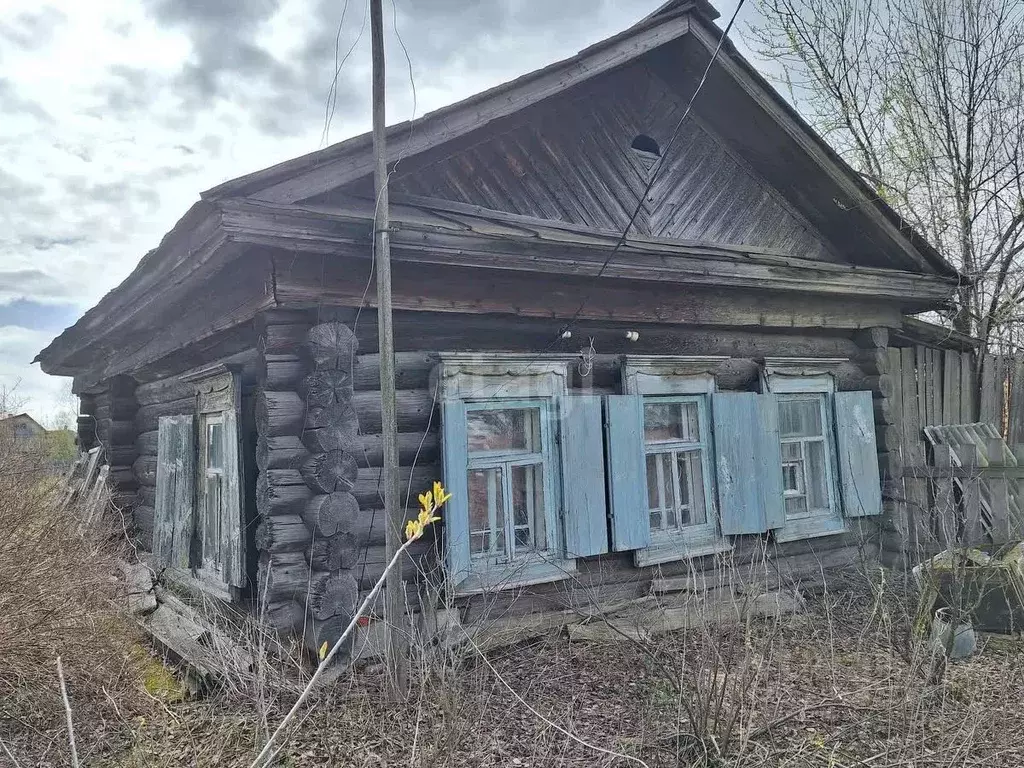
(646, 149)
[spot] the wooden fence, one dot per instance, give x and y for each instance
(956, 486)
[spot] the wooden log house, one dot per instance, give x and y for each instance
(603, 417)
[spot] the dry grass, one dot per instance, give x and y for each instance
(57, 597)
(828, 687)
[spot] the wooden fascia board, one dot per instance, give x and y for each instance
(794, 126)
(185, 264)
(314, 231)
(310, 176)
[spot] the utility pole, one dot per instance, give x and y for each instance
(394, 604)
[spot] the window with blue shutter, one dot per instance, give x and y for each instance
(807, 444)
(504, 524)
(680, 510)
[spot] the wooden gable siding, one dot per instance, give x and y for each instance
(574, 164)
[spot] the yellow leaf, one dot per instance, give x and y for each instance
(413, 530)
(323, 651)
(426, 500)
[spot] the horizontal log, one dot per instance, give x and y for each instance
(283, 338)
(143, 517)
(282, 372)
(369, 488)
(163, 391)
(282, 477)
(284, 452)
(112, 433)
(329, 514)
(413, 447)
(123, 478)
(282, 533)
(122, 455)
(145, 470)
(146, 496)
(118, 409)
(331, 471)
(320, 632)
(412, 370)
(279, 413)
(146, 442)
(147, 418)
(273, 500)
(282, 577)
(333, 593)
(332, 345)
(284, 616)
(332, 553)
(413, 408)
(734, 374)
(501, 291)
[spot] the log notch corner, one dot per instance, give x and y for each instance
(306, 457)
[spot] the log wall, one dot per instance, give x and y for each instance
(106, 418)
(314, 494)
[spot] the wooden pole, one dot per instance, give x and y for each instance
(394, 608)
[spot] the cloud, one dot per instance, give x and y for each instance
(31, 30)
(14, 104)
(23, 385)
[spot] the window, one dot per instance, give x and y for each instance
(677, 456)
(508, 466)
(503, 417)
(808, 455)
(198, 517)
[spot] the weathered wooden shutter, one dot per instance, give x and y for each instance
(627, 472)
(456, 479)
(232, 529)
(174, 514)
(748, 462)
(585, 509)
(859, 482)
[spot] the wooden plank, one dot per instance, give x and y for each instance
(860, 484)
(990, 407)
(968, 388)
(951, 387)
(455, 450)
(971, 491)
(175, 491)
(946, 515)
(912, 371)
(999, 509)
(627, 473)
(583, 476)
(1016, 411)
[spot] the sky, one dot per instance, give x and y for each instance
(116, 114)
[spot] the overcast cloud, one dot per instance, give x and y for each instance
(115, 114)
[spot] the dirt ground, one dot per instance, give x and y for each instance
(833, 686)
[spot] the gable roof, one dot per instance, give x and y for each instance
(852, 210)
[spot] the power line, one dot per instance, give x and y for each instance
(654, 171)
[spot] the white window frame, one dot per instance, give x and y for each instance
(680, 379)
(492, 381)
(790, 383)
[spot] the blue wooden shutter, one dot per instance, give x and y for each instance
(585, 509)
(627, 472)
(748, 462)
(859, 481)
(456, 480)
(173, 515)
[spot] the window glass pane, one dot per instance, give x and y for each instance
(486, 512)
(508, 429)
(817, 490)
(693, 509)
(528, 506)
(660, 497)
(215, 445)
(800, 418)
(796, 505)
(671, 421)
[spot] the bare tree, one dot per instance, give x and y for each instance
(925, 98)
